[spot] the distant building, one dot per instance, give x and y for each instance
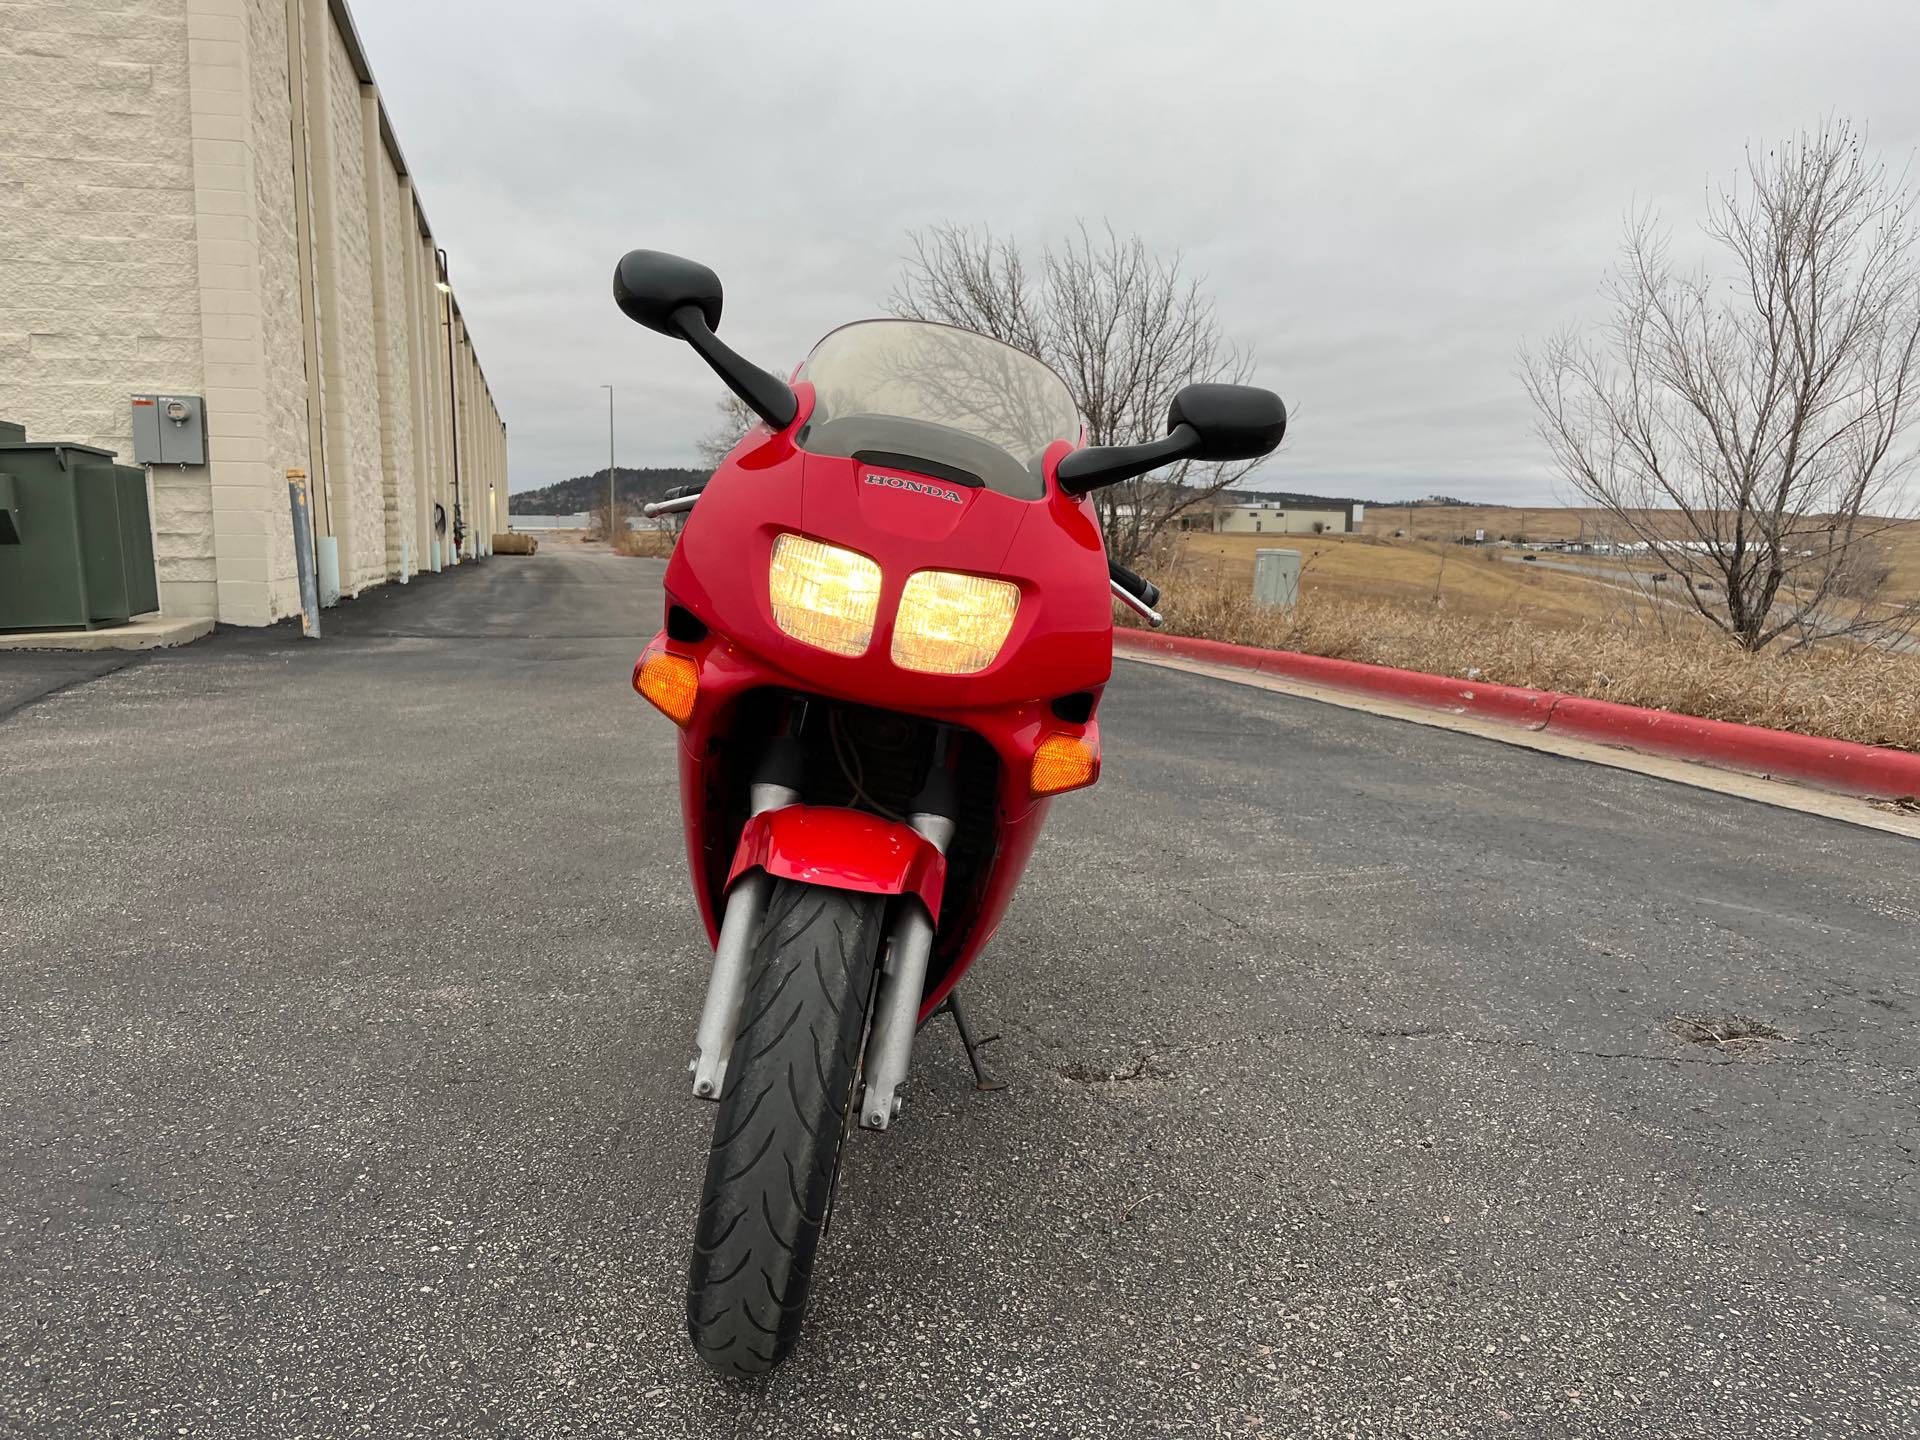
(1267, 513)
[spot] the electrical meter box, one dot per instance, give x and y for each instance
(1276, 577)
(169, 430)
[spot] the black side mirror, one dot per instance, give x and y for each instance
(650, 285)
(1234, 422)
(1205, 422)
(681, 298)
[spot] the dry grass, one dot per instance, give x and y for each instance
(1899, 550)
(655, 544)
(1899, 547)
(1840, 692)
(1466, 579)
(1451, 522)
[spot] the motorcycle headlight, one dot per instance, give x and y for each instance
(952, 624)
(823, 595)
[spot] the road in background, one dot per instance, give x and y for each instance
(346, 1095)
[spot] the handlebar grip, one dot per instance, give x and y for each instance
(680, 492)
(1146, 590)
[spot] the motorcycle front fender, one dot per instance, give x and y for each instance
(843, 850)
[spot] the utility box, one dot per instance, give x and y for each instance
(76, 545)
(1276, 577)
(169, 430)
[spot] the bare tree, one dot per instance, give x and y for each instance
(1755, 435)
(600, 527)
(735, 420)
(1124, 327)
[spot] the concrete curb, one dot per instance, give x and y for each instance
(1839, 765)
(146, 632)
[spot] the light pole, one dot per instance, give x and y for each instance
(612, 515)
(445, 286)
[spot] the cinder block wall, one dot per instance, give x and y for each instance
(203, 196)
(99, 262)
(389, 210)
(283, 371)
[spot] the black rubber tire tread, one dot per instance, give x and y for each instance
(776, 1136)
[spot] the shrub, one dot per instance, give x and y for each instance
(654, 543)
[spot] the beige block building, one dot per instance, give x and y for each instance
(1307, 517)
(205, 197)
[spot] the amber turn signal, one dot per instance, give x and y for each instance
(1064, 762)
(668, 682)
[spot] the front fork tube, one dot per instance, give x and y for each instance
(732, 953)
(896, 1013)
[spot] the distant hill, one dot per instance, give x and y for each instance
(586, 492)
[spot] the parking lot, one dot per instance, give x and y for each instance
(1363, 1078)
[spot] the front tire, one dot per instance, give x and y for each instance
(776, 1138)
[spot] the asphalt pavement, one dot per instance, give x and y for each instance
(347, 989)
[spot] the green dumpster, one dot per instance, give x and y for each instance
(76, 547)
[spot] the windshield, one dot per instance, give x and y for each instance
(937, 400)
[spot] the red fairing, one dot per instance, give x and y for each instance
(1062, 637)
(1060, 645)
(843, 850)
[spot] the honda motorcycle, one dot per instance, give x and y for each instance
(888, 624)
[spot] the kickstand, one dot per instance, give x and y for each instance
(981, 1079)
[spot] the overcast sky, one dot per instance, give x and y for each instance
(1384, 199)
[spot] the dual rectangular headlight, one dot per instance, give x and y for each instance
(947, 624)
(824, 595)
(951, 624)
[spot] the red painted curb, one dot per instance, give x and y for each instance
(1831, 764)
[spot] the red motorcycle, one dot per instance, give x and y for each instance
(888, 625)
